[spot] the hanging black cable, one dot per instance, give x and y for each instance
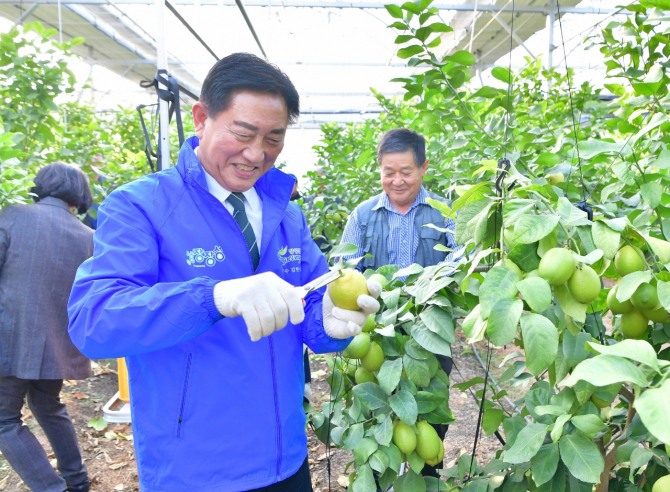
(190, 29)
(171, 95)
(148, 149)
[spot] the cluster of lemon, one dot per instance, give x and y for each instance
(364, 356)
(558, 266)
(643, 305)
(425, 441)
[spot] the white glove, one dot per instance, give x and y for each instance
(343, 323)
(265, 301)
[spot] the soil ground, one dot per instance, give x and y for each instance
(110, 457)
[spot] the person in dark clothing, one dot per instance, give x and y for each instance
(41, 246)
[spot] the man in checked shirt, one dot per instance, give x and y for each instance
(389, 227)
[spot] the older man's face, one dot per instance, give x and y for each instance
(401, 178)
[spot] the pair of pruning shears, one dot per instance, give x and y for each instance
(321, 281)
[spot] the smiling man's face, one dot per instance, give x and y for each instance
(401, 178)
(242, 142)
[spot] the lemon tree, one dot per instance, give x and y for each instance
(594, 375)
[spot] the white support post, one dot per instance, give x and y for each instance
(161, 67)
(551, 20)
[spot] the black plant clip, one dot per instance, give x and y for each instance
(503, 167)
(586, 208)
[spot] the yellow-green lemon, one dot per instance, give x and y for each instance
(658, 315)
(629, 259)
(362, 375)
(633, 324)
(616, 306)
(584, 284)
(404, 437)
(345, 290)
(374, 359)
(428, 443)
(556, 266)
(662, 484)
(358, 347)
(370, 323)
(645, 297)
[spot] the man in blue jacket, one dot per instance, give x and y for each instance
(194, 281)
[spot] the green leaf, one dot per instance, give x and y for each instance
(498, 284)
(540, 338)
(636, 350)
(370, 395)
(502, 74)
(526, 445)
(353, 436)
(660, 248)
(379, 461)
(663, 290)
(389, 375)
(605, 239)
(365, 481)
(412, 7)
(574, 347)
(582, 457)
(408, 482)
(365, 448)
(98, 424)
(570, 215)
(383, 431)
(652, 193)
(576, 310)
(394, 10)
(405, 407)
(536, 292)
(559, 425)
(418, 371)
(604, 370)
(652, 406)
(429, 340)
(492, 419)
(651, 83)
(409, 51)
(659, 4)
(532, 228)
(592, 147)
(344, 249)
(463, 57)
(629, 284)
(473, 325)
(590, 425)
(439, 321)
(544, 464)
(503, 321)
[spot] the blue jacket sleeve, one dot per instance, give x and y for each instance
(118, 306)
(313, 265)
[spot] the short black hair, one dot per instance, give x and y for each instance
(402, 140)
(65, 182)
(244, 71)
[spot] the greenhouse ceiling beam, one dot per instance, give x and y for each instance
(529, 9)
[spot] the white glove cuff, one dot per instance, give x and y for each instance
(223, 301)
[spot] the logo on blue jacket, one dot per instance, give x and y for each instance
(200, 258)
(290, 259)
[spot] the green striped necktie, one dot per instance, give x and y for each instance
(240, 216)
